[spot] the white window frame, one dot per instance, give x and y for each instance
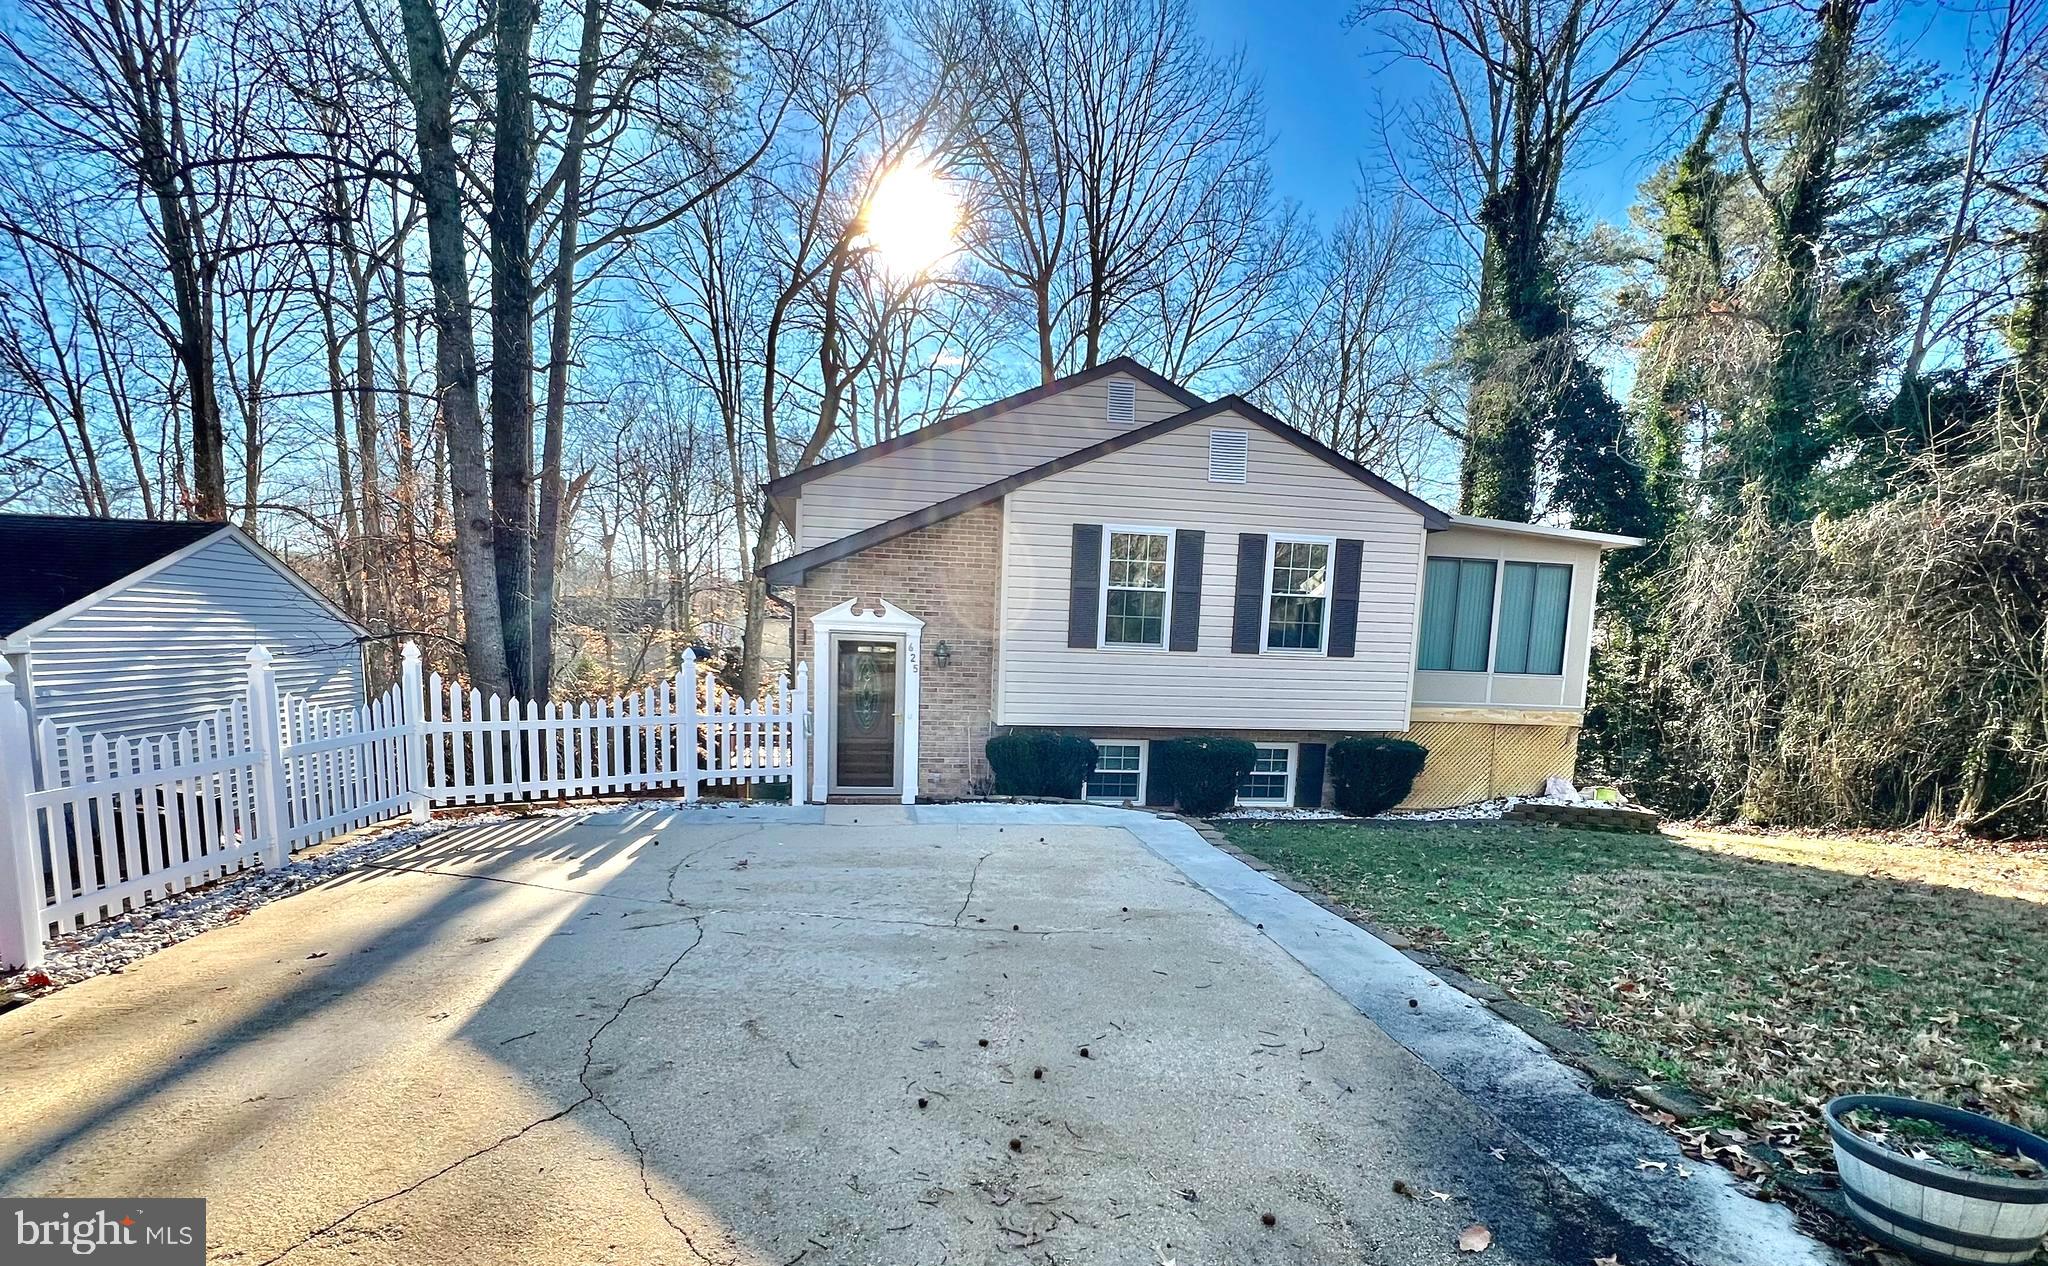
(1286, 800)
(1144, 747)
(1273, 544)
(1109, 532)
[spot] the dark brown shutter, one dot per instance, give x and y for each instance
(1343, 639)
(1308, 778)
(1187, 592)
(1247, 614)
(1084, 586)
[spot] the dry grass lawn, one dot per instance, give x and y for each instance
(1765, 973)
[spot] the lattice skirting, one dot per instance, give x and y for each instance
(1471, 761)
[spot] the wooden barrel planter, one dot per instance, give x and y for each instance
(1935, 1212)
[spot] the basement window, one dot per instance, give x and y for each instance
(1119, 772)
(1270, 784)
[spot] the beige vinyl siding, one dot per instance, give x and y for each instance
(171, 648)
(894, 484)
(1164, 483)
(1566, 692)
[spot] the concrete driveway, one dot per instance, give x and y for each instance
(662, 1035)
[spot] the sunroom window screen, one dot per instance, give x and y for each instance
(1534, 600)
(1457, 614)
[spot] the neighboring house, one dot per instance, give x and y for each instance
(131, 627)
(1112, 555)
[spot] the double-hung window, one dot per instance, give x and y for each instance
(1271, 780)
(1136, 565)
(1297, 594)
(1535, 599)
(1457, 615)
(1119, 772)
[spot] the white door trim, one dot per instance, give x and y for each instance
(863, 617)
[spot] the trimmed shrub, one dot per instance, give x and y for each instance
(1040, 763)
(1372, 775)
(1203, 773)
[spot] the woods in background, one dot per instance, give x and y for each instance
(494, 319)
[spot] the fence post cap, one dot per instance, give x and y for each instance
(689, 657)
(410, 652)
(803, 673)
(258, 654)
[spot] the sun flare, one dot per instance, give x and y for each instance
(912, 218)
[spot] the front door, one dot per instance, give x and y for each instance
(864, 716)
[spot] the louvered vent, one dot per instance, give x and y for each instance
(1229, 456)
(1123, 401)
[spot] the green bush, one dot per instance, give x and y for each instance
(1372, 775)
(1040, 763)
(1202, 773)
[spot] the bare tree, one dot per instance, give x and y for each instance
(1362, 370)
(109, 84)
(429, 79)
(1110, 148)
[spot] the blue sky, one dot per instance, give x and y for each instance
(1324, 82)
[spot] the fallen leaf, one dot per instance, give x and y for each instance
(1650, 1164)
(1474, 1239)
(1444, 1196)
(1607, 1261)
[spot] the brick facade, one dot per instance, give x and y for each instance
(945, 575)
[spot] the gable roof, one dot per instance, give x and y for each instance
(57, 563)
(795, 567)
(56, 560)
(787, 484)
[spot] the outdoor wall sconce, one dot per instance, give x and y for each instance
(942, 654)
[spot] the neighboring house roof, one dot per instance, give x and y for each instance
(783, 487)
(795, 567)
(58, 564)
(1605, 540)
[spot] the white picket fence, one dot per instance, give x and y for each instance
(92, 827)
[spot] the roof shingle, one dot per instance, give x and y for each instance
(49, 561)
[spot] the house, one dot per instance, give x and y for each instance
(1112, 555)
(128, 627)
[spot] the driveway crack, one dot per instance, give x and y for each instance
(589, 1095)
(972, 879)
(593, 1095)
(694, 854)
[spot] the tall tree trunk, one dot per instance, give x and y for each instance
(407, 492)
(512, 338)
(547, 545)
(1777, 444)
(354, 556)
(432, 89)
(252, 425)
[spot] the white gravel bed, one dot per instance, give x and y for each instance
(1482, 811)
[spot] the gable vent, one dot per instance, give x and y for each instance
(1229, 456)
(1123, 401)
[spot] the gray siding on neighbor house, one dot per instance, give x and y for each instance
(889, 485)
(171, 648)
(1164, 483)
